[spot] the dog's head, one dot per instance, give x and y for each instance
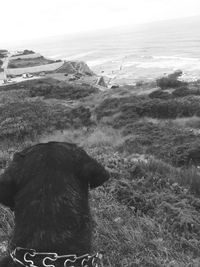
(39, 160)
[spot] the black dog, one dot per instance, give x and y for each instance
(47, 187)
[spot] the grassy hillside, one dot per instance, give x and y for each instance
(29, 62)
(148, 213)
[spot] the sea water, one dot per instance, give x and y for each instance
(132, 53)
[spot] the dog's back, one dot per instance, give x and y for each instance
(47, 187)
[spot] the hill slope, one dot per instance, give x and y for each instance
(148, 213)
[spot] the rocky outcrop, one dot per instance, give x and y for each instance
(101, 81)
(73, 67)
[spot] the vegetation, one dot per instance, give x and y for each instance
(170, 81)
(28, 119)
(29, 62)
(52, 88)
(25, 52)
(73, 67)
(164, 141)
(67, 91)
(181, 91)
(148, 213)
(1, 63)
(2, 53)
(140, 106)
(143, 219)
(184, 91)
(192, 123)
(28, 52)
(160, 94)
(28, 84)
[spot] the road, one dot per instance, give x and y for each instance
(5, 65)
(14, 80)
(6, 61)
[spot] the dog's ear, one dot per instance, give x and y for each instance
(8, 182)
(94, 173)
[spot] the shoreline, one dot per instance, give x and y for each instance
(121, 70)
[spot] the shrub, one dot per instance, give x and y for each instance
(170, 81)
(181, 91)
(66, 91)
(164, 141)
(13, 66)
(27, 52)
(3, 52)
(129, 109)
(139, 83)
(165, 83)
(160, 94)
(28, 119)
(175, 75)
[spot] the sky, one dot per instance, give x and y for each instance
(35, 19)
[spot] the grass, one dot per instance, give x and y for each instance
(163, 140)
(141, 106)
(47, 68)
(21, 120)
(190, 177)
(104, 136)
(147, 214)
(133, 212)
(13, 95)
(29, 62)
(63, 91)
(28, 84)
(142, 218)
(98, 136)
(192, 122)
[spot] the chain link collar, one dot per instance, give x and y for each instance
(31, 258)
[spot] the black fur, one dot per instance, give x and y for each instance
(47, 187)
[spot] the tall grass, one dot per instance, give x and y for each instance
(143, 219)
(87, 137)
(192, 122)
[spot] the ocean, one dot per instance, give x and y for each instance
(132, 53)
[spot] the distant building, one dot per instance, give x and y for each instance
(26, 75)
(42, 74)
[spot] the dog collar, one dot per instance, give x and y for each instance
(31, 258)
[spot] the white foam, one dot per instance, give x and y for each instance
(177, 64)
(131, 63)
(176, 57)
(166, 62)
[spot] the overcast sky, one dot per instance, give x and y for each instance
(30, 19)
